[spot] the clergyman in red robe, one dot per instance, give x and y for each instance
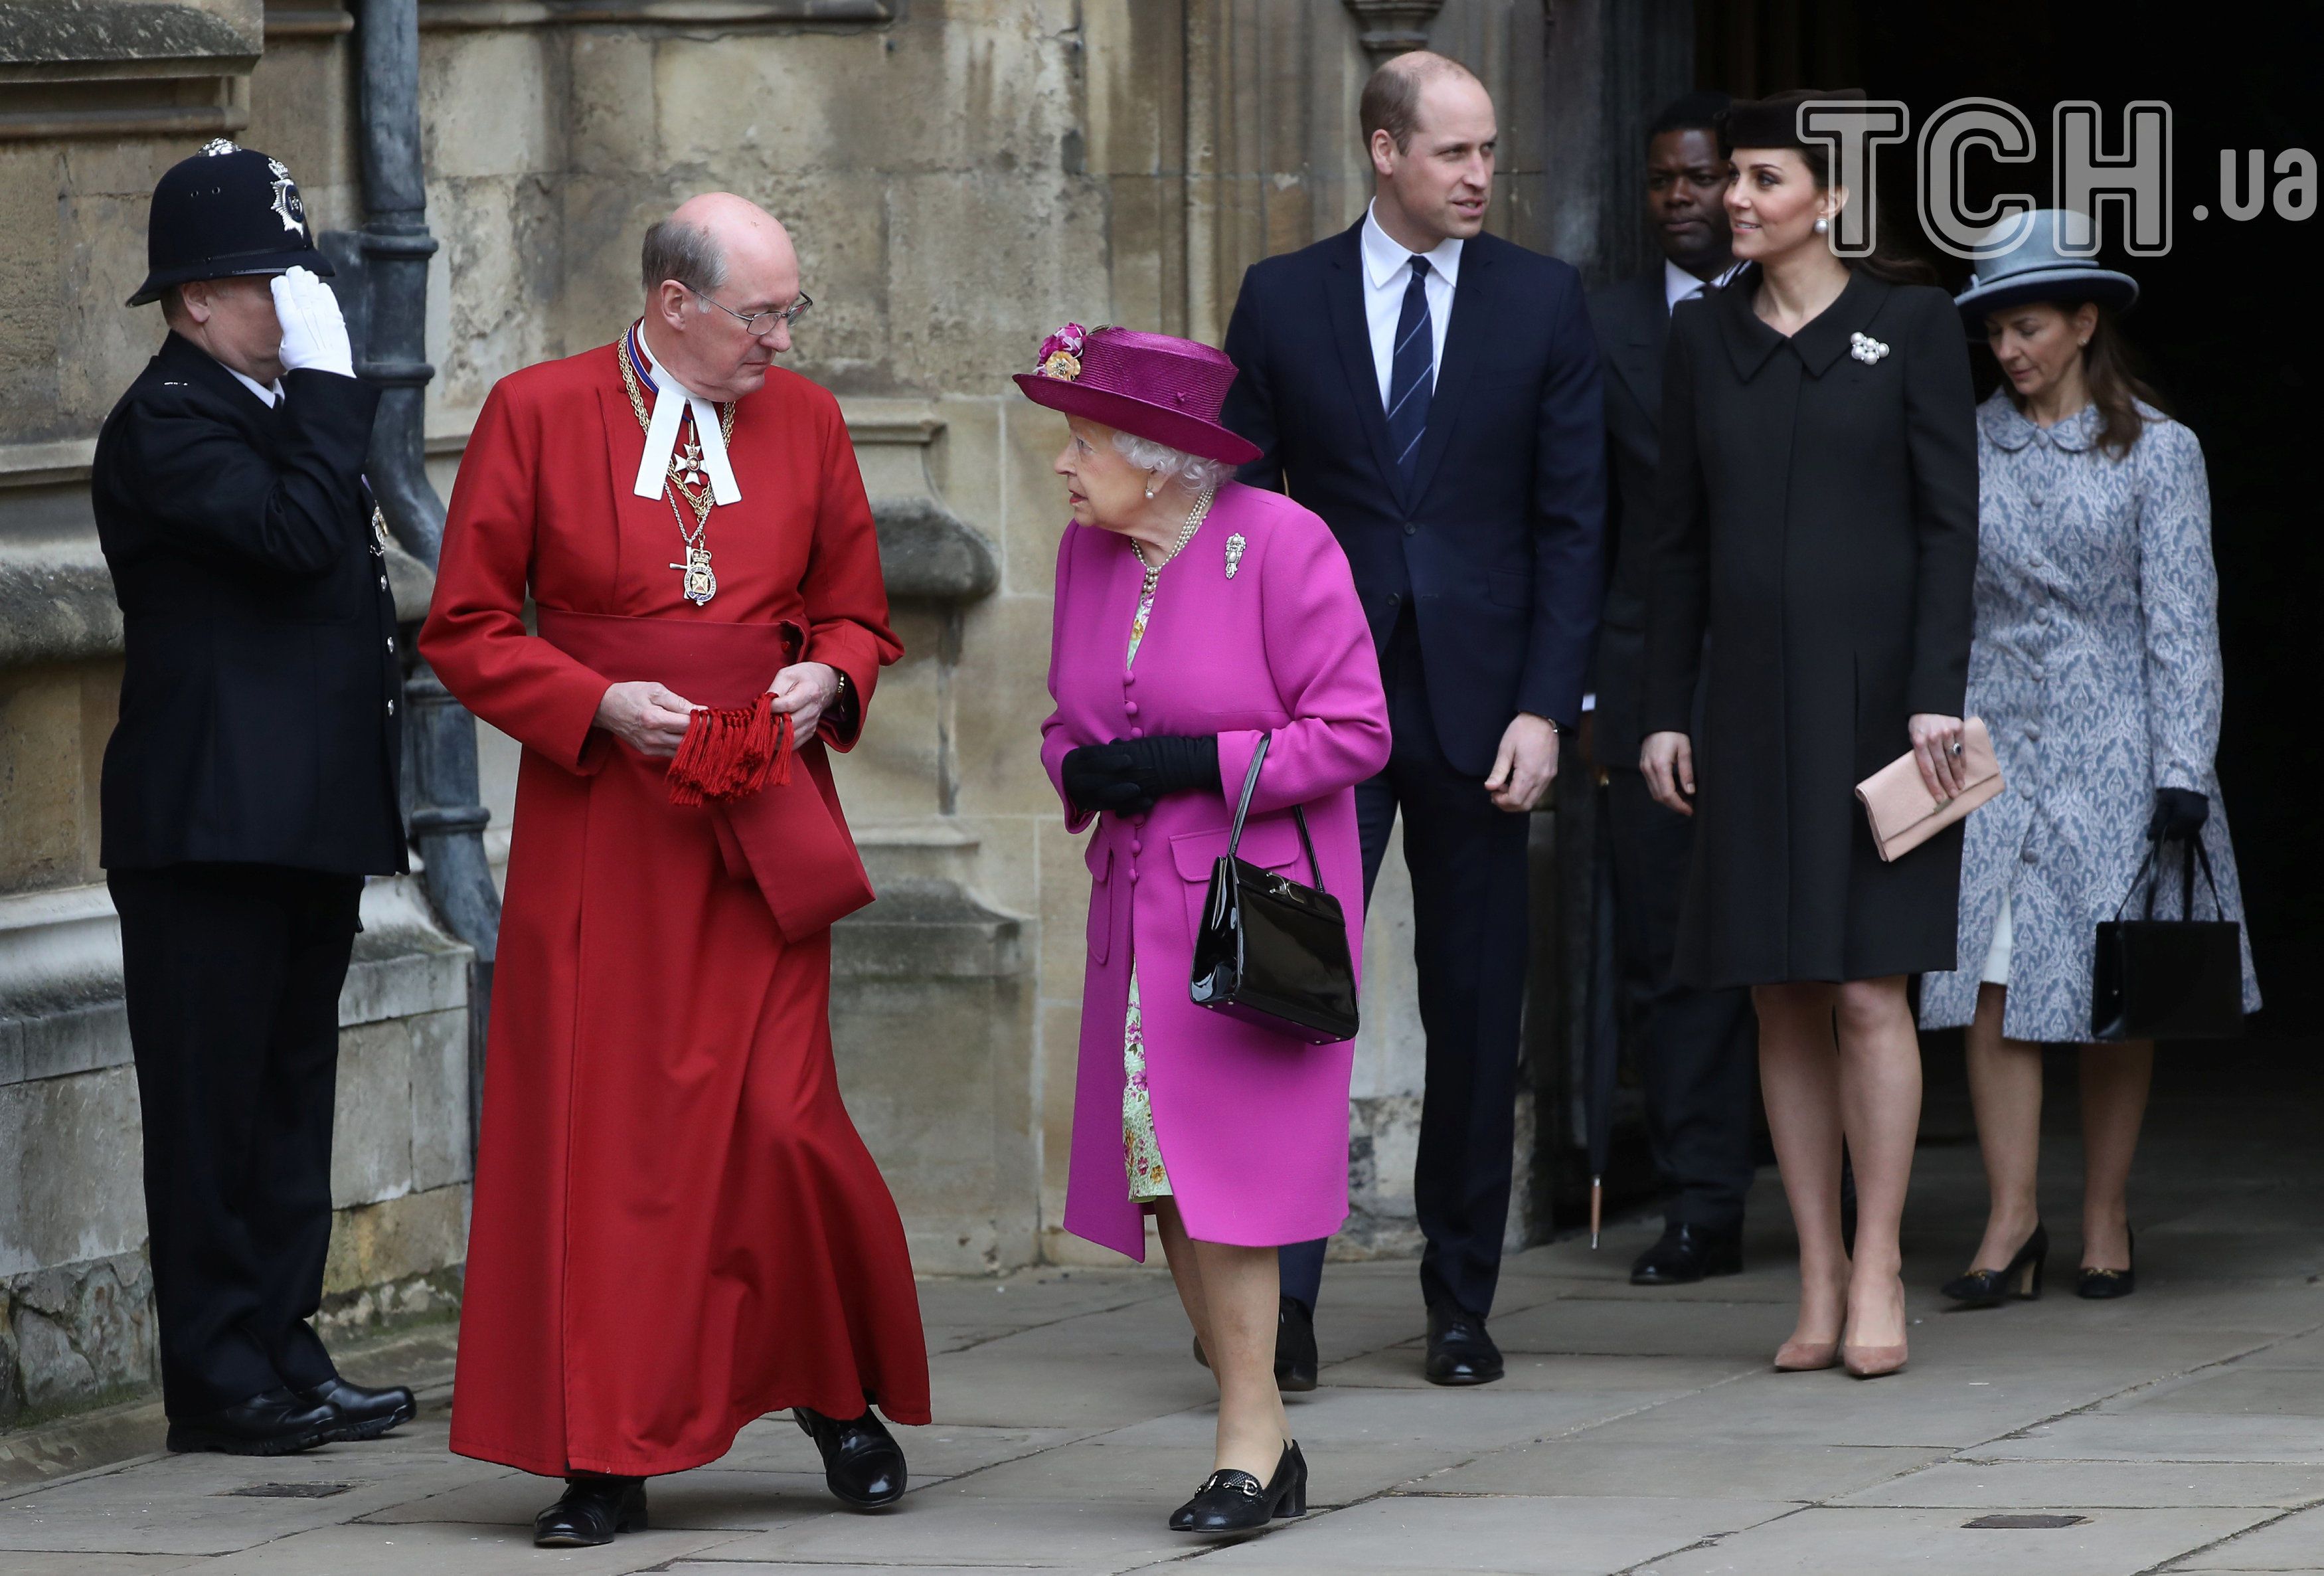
(677, 1227)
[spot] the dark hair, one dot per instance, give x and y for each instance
(685, 253)
(1763, 116)
(2110, 365)
(1691, 112)
(1391, 99)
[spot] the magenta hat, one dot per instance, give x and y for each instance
(1149, 385)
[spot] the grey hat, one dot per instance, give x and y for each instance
(2038, 269)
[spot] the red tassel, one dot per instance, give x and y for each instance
(731, 752)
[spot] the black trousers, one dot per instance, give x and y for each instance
(1468, 902)
(1698, 1049)
(233, 974)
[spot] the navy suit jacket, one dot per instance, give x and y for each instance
(1497, 545)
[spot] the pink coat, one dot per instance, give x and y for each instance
(1253, 1124)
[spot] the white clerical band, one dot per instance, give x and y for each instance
(661, 434)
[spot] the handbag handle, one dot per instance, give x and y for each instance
(1298, 813)
(2196, 854)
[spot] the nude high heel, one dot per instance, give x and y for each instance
(1872, 1362)
(1806, 1357)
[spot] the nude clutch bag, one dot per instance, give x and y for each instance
(1904, 813)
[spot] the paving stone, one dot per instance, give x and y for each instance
(1590, 1464)
(459, 1549)
(2110, 1542)
(1542, 1537)
(2149, 1436)
(1079, 1535)
(1998, 1485)
(939, 1451)
(2291, 1542)
(707, 1499)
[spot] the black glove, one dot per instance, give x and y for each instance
(1128, 775)
(2178, 814)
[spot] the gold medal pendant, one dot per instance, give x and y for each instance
(701, 579)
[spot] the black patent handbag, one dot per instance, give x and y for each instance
(1269, 951)
(2169, 979)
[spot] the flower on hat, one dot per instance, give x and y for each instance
(1061, 354)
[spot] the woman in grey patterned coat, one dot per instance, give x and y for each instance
(2096, 667)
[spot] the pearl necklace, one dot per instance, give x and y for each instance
(1195, 517)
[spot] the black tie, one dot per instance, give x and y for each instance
(1411, 374)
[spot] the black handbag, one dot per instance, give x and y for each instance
(2169, 979)
(1269, 951)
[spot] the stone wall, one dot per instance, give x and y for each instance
(960, 176)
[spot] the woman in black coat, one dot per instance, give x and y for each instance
(1818, 523)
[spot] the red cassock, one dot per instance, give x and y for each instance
(677, 1227)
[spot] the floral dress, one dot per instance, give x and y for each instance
(1141, 1151)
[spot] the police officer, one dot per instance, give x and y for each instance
(249, 787)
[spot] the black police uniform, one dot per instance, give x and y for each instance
(249, 787)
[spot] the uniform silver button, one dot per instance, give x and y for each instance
(391, 643)
(382, 582)
(391, 708)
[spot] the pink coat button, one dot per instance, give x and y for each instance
(1129, 708)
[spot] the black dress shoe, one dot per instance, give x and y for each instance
(1233, 1501)
(862, 1461)
(592, 1510)
(275, 1422)
(1686, 1253)
(1459, 1352)
(1296, 1364)
(2021, 1277)
(364, 1414)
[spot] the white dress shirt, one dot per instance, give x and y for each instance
(662, 433)
(1388, 273)
(1679, 285)
(256, 387)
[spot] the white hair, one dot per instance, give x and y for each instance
(1196, 472)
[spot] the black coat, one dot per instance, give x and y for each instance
(1819, 517)
(262, 701)
(1631, 322)
(1497, 548)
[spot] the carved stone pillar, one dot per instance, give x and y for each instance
(1392, 27)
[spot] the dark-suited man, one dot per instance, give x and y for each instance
(249, 787)
(1695, 1047)
(1432, 391)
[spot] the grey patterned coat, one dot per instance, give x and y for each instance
(2097, 666)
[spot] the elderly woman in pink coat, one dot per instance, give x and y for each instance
(1194, 616)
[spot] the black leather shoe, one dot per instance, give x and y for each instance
(862, 1461)
(1231, 1501)
(364, 1414)
(275, 1422)
(1687, 1253)
(2099, 1284)
(1459, 1352)
(592, 1510)
(2021, 1277)
(1295, 1365)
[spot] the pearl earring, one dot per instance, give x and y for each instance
(1151, 485)
(1821, 227)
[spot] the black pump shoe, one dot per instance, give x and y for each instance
(590, 1512)
(365, 1413)
(2100, 1284)
(1989, 1288)
(863, 1465)
(1233, 1501)
(274, 1422)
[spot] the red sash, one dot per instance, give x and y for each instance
(790, 837)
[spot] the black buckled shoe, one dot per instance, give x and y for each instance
(1459, 1352)
(2099, 1284)
(590, 1512)
(2020, 1278)
(1233, 1501)
(1686, 1253)
(274, 1422)
(863, 1465)
(364, 1414)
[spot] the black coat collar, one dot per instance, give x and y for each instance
(187, 362)
(1826, 338)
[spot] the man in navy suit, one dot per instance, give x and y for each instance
(1433, 392)
(1696, 1049)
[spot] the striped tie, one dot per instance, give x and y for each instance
(1411, 374)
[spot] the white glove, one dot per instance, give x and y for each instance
(314, 333)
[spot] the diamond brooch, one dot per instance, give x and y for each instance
(1235, 545)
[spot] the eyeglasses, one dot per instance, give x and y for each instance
(758, 324)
